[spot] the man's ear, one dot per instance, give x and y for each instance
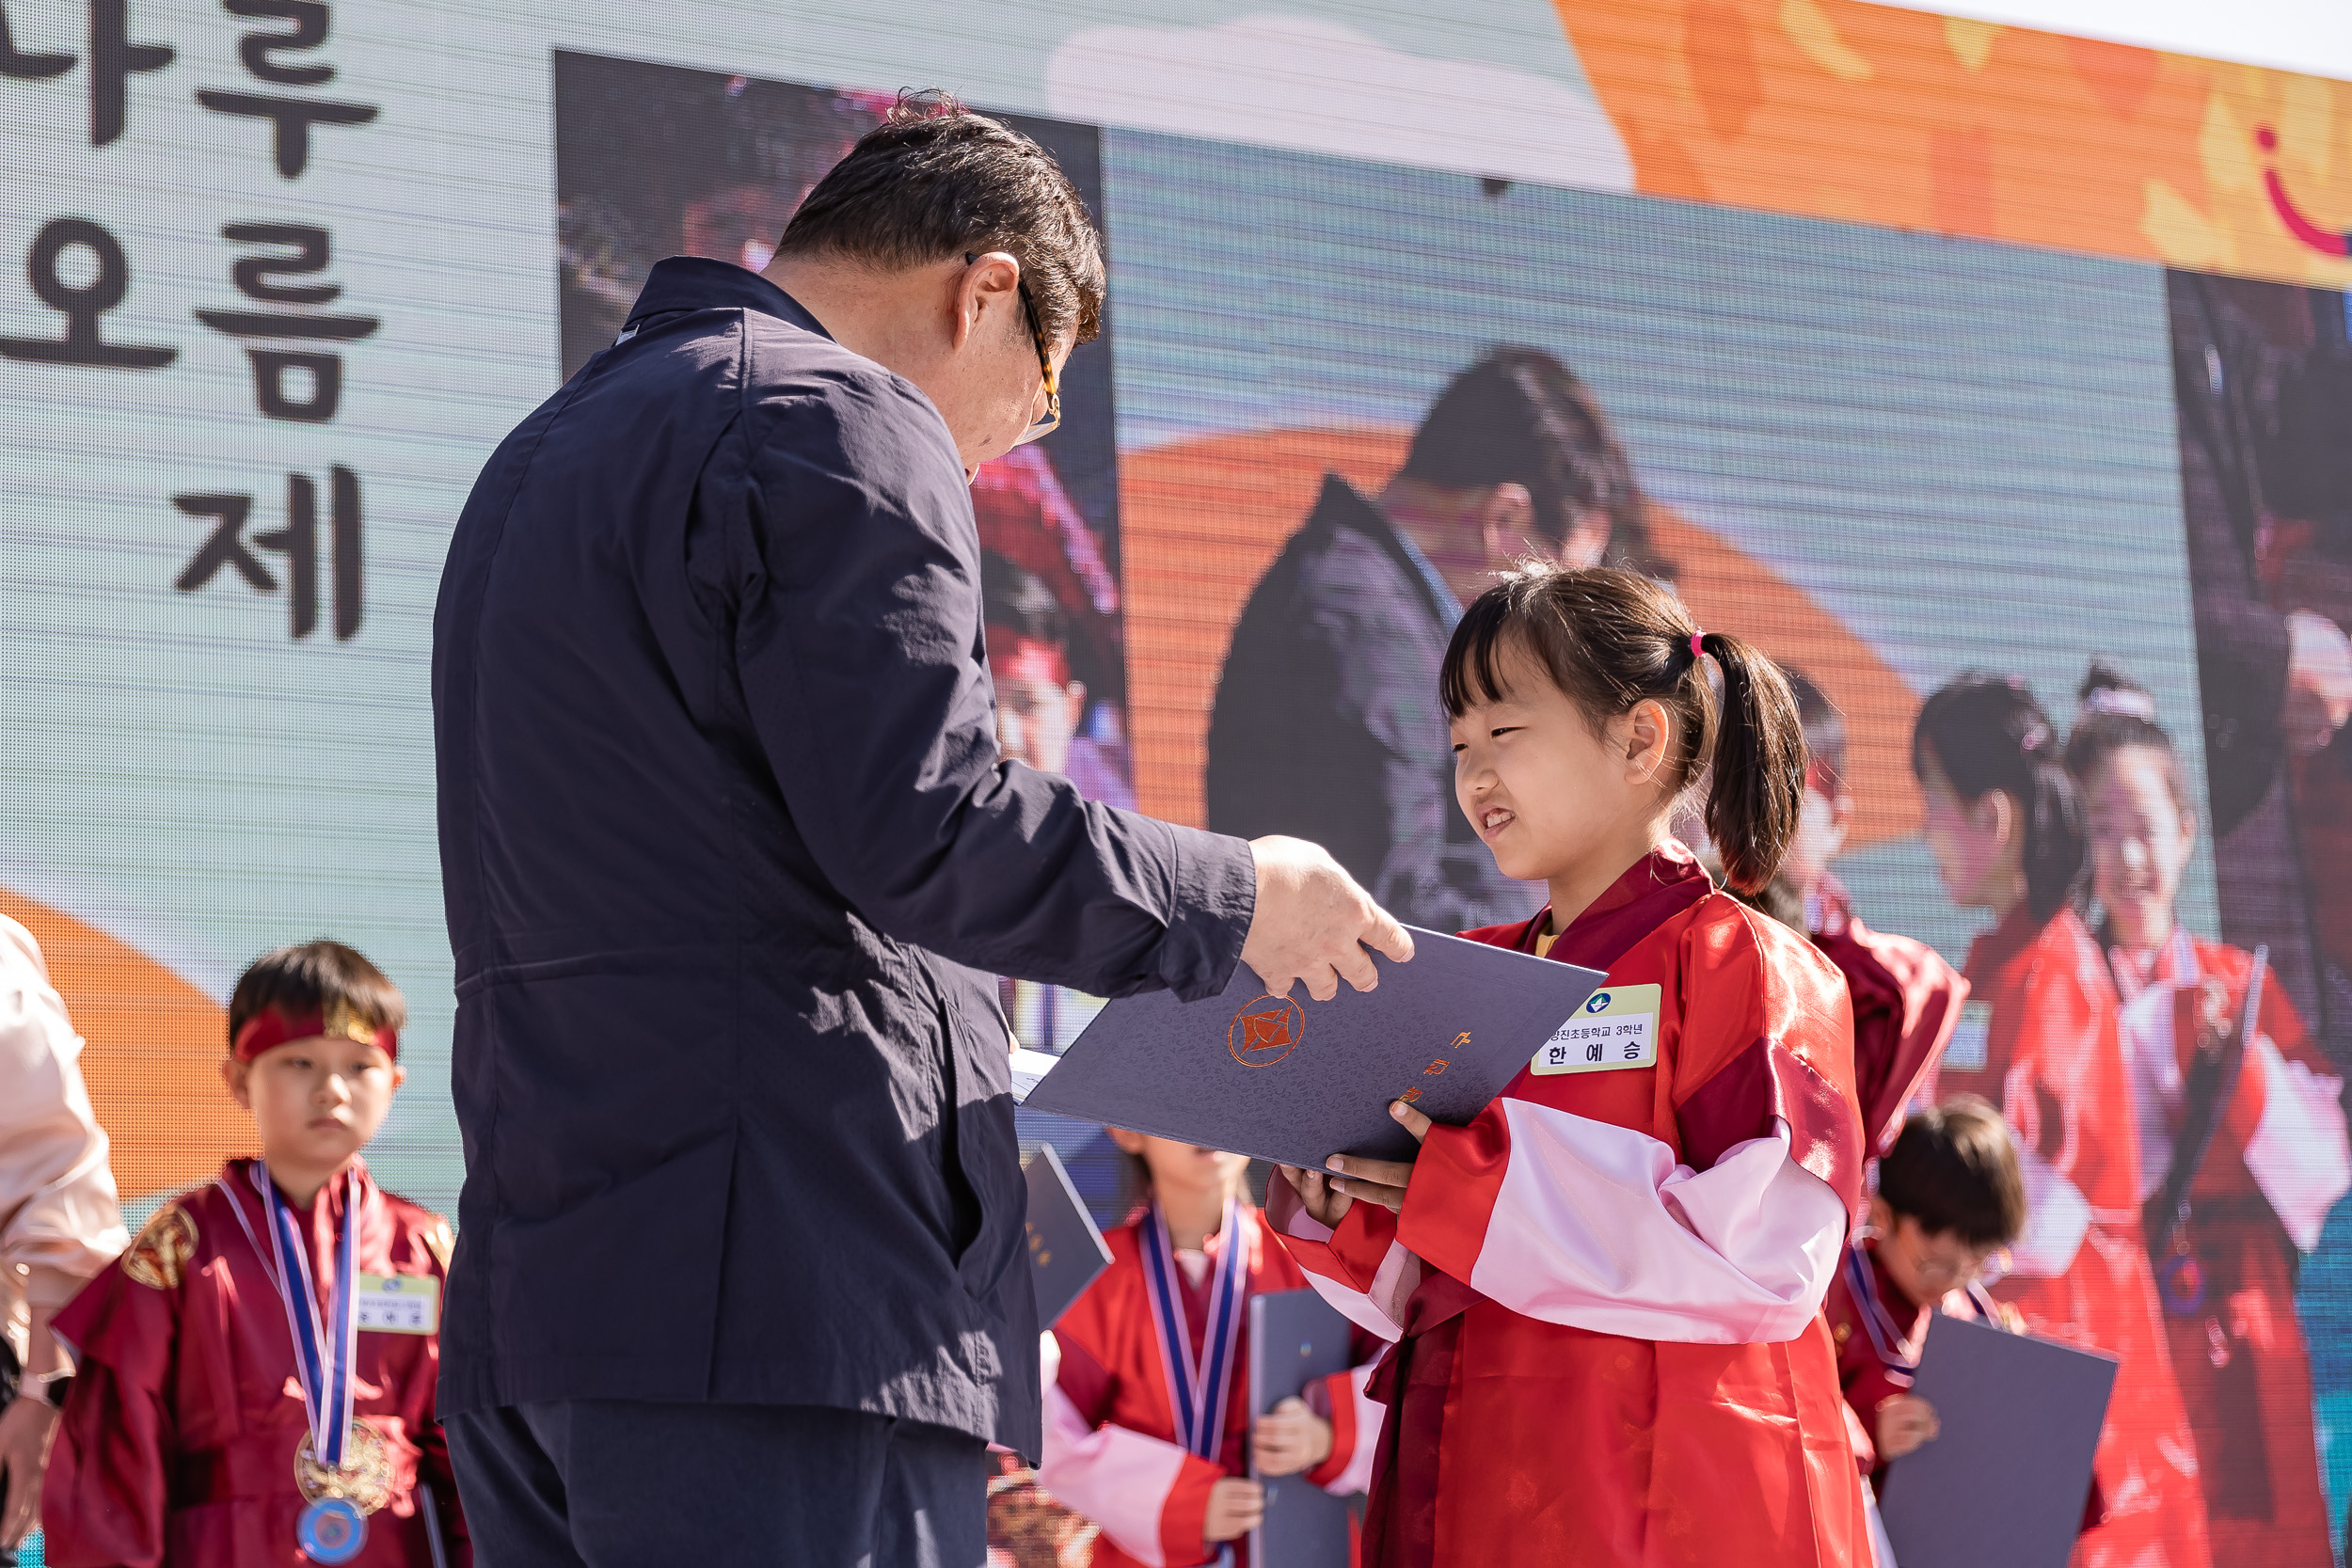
(1507, 523)
(1587, 544)
(985, 291)
(239, 1077)
(400, 1076)
(1882, 1217)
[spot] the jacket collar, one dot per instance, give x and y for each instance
(698, 283)
(1653, 890)
(1341, 505)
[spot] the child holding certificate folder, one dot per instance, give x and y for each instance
(1606, 1290)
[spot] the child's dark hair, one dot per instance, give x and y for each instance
(1611, 639)
(316, 977)
(2117, 712)
(1824, 730)
(1953, 1168)
(1985, 733)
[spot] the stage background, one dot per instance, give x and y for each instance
(1876, 300)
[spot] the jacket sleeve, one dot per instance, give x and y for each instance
(59, 1220)
(1149, 1495)
(103, 1503)
(1599, 1226)
(854, 582)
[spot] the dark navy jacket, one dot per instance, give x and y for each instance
(722, 823)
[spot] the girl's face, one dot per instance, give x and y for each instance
(1547, 791)
(1185, 1169)
(1975, 841)
(2140, 842)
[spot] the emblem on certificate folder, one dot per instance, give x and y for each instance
(1264, 1032)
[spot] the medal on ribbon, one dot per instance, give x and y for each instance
(343, 1468)
(1197, 1387)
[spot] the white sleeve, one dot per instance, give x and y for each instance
(1598, 1226)
(1117, 1477)
(2057, 1218)
(60, 1219)
(1356, 1476)
(2297, 1154)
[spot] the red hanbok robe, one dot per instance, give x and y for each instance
(1607, 1286)
(176, 1448)
(2040, 1041)
(1906, 1004)
(1111, 1449)
(2277, 1164)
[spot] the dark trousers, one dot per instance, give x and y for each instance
(615, 1484)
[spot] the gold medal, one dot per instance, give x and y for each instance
(365, 1479)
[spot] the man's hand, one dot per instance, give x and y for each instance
(1380, 1181)
(1290, 1438)
(25, 1429)
(1312, 923)
(1237, 1507)
(2319, 682)
(1905, 1421)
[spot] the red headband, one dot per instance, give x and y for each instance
(269, 1028)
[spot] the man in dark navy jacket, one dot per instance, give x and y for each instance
(740, 1275)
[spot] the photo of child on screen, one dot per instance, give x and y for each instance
(2266, 1173)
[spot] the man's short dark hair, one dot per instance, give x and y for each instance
(1520, 417)
(316, 977)
(934, 181)
(1953, 1168)
(1018, 600)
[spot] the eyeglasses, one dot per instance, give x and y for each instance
(1052, 421)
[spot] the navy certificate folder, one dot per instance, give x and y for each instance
(1295, 1081)
(1066, 1251)
(2006, 1479)
(1295, 1337)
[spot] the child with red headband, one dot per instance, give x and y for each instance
(254, 1378)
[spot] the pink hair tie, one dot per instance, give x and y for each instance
(1696, 652)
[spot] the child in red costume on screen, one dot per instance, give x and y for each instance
(1906, 998)
(253, 1381)
(1607, 1288)
(2274, 1165)
(2038, 1038)
(1146, 1425)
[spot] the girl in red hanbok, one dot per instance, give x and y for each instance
(1906, 998)
(1607, 1288)
(2038, 1038)
(1146, 1426)
(2265, 1181)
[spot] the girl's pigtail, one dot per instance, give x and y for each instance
(1757, 764)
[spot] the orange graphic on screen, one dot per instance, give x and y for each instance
(1266, 1031)
(151, 1054)
(1906, 120)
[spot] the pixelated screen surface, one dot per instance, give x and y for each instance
(1911, 350)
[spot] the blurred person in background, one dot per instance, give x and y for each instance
(2272, 1159)
(2037, 1037)
(59, 1220)
(1327, 720)
(1906, 999)
(1161, 1334)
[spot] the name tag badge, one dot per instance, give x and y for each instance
(1616, 1029)
(1972, 1038)
(397, 1303)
